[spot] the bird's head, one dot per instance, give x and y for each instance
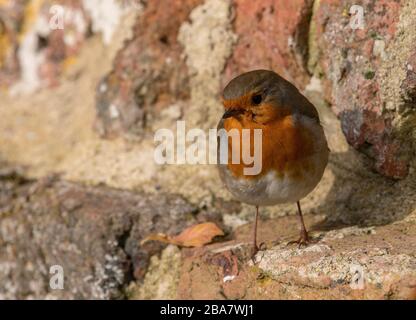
(257, 95)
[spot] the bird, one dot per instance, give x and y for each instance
(294, 149)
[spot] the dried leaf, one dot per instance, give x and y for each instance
(156, 237)
(198, 235)
(194, 236)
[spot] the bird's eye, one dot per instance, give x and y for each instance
(256, 99)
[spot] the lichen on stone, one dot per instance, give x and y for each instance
(162, 277)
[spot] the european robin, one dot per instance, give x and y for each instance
(294, 150)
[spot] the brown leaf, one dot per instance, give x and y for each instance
(157, 237)
(194, 236)
(198, 235)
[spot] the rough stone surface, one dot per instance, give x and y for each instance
(149, 72)
(162, 277)
(342, 264)
(272, 34)
(93, 233)
(208, 41)
(367, 76)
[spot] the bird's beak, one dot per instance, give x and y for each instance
(232, 113)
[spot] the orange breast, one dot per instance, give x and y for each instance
(285, 146)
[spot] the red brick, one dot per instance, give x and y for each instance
(351, 79)
(149, 72)
(272, 35)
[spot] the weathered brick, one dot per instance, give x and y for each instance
(149, 72)
(273, 34)
(354, 67)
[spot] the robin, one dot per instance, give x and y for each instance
(294, 151)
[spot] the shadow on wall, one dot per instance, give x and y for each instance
(359, 195)
(364, 199)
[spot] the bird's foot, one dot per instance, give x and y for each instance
(303, 240)
(256, 248)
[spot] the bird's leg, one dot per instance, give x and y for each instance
(303, 232)
(255, 247)
(304, 238)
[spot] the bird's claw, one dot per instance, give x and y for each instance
(303, 240)
(256, 249)
(300, 242)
